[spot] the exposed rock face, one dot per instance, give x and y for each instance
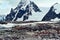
(51, 14)
(22, 10)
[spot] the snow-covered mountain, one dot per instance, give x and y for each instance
(27, 11)
(22, 10)
(52, 14)
(2, 18)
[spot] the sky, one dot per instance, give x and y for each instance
(6, 5)
(44, 5)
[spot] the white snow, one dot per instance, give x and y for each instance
(23, 24)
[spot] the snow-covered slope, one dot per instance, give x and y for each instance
(23, 10)
(53, 14)
(28, 11)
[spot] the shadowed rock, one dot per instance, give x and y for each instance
(25, 13)
(51, 14)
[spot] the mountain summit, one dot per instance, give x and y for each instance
(51, 14)
(22, 10)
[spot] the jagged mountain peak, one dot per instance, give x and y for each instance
(22, 10)
(52, 13)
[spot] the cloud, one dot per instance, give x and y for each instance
(8, 4)
(46, 3)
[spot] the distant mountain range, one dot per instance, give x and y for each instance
(51, 14)
(26, 10)
(2, 17)
(19, 11)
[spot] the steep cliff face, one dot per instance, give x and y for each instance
(51, 14)
(22, 10)
(28, 10)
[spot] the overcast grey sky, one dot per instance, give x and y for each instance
(6, 5)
